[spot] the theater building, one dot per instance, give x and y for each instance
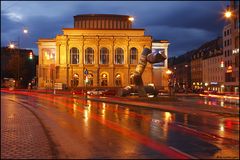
(102, 50)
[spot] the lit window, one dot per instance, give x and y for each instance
(104, 56)
(74, 56)
(119, 56)
(49, 53)
(90, 79)
(118, 80)
(133, 56)
(104, 80)
(89, 56)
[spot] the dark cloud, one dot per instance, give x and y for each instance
(181, 39)
(185, 24)
(203, 15)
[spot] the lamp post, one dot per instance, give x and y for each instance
(131, 19)
(170, 81)
(228, 13)
(13, 46)
(85, 82)
(186, 78)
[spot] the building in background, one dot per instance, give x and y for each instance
(101, 51)
(18, 65)
(160, 78)
(228, 57)
(197, 62)
(213, 66)
(182, 71)
(196, 68)
(231, 49)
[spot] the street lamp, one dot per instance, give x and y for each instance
(228, 14)
(25, 31)
(131, 19)
(13, 46)
(168, 72)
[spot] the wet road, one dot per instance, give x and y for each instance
(87, 129)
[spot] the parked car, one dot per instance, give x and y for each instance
(110, 92)
(163, 92)
(134, 94)
(96, 91)
(78, 92)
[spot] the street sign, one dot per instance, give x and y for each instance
(85, 71)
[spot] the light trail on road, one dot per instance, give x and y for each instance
(131, 134)
(127, 129)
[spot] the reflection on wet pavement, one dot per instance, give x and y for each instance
(161, 126)
(149, 132)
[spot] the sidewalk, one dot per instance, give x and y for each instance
(22, 135)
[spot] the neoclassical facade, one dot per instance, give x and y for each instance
(99, 51)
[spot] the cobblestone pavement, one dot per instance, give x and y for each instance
(22, 135)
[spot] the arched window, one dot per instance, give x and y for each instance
(133, 55)
(74, 55)
(119, 56)
(90, 79)
(104, 56)
(89, 56)
(104, 79)
(118, 80)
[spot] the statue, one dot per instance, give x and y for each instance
(137, 86)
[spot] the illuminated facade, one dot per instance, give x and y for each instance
(104, 45)
(213, 67)
(231, 50)
(160, 78)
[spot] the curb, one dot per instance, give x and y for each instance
(164, 107)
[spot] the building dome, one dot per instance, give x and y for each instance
(102, 21)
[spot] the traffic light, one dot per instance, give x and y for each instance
(30, 55)
(222, 64)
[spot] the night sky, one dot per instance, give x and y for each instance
(186, 25)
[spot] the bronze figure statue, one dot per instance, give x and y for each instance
(137, 86)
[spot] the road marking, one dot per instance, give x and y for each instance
(188, 155)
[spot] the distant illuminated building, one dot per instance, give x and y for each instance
(231, 49)
(181, 67)
(213, 70)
